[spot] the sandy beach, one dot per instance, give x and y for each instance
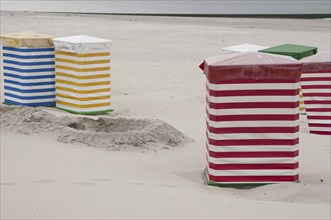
(156, 80)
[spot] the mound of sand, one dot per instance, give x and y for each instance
(106, 132)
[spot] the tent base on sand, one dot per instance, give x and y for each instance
(235, 185)
(86, 113)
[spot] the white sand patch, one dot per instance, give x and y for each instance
(303, 124)
(109, 133)
(307, 193)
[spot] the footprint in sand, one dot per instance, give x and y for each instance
(7, 184)
(164, 185)
(102, 180)
(85, 183)
(42, 181)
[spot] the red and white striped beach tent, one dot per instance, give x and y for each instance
(316, 88)
(252, 119)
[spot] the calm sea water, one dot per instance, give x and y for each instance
(173, 6)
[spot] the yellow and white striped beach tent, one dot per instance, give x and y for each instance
(82, 74)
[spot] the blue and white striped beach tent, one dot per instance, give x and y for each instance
(28, 69)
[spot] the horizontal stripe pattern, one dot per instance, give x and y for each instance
(27, 80)
(255, 85)
(244, 167)
(26, 102)
(251, 160)
(92, 69)
(28, 90)
(84, 98)
(32, 94)
(252, 111)
(81, 105)
(271, 92)
(83, 82)
(27, 57)
(257, 118)
(260, 154)
(28, 50)
(254, 105)
(30, 104)
(83, 91)
(29, 97)
(253, 131)
(80, 77)
(72, 87)
(258, 130)
(252, 179)
(82, 111)
(29, 83)
(29, 76)
(252, 142)
(247, 134)
(256, 148)
(90, 62)
(316, 89)
(69, 55)
(80, 59)
(28, 64)
(256, 172)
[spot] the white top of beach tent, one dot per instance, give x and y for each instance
(320, 57)
(251, 65)
(249, 58)
(243, 48)
(81, 44)
(319, 62)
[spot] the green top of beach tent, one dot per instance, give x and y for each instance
(296, 51)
